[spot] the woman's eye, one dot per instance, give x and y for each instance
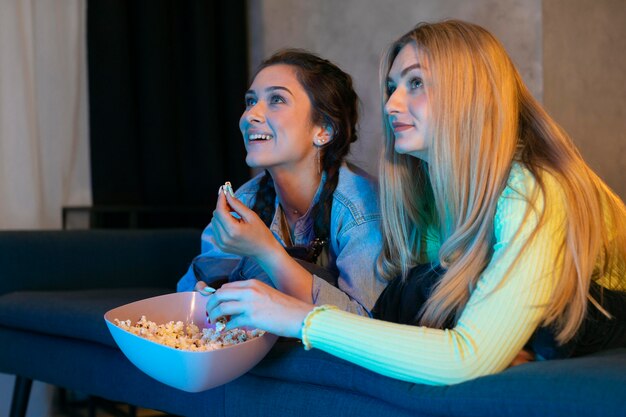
(275, 99)
(250, 101)
(415, 83)
(390, 89)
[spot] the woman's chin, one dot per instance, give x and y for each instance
(403, 150)
(411, 151)
(254, 162)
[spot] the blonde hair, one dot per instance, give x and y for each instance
(483, 119)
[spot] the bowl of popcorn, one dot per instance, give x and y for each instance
(169, 338)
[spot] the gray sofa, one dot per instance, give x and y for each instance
(56, 286)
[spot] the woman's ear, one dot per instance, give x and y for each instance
(323, 135)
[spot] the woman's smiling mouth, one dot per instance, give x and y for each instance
(401, 127)
(260, 137)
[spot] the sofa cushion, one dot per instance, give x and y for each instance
(76, 314)
(593, 385)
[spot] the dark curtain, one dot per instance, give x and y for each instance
(166, 86)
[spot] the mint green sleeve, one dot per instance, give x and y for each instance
(501, 315)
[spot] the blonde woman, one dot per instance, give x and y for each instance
(497, 235)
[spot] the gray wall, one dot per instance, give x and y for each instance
(571, 53)
(584, 65)
(353, 34)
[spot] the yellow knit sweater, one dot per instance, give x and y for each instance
(494, 326)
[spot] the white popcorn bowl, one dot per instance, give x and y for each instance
(186, 370)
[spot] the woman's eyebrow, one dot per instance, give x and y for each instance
(405, 70)
(278, 87)
(409, 68)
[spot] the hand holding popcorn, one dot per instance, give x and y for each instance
(240, 230)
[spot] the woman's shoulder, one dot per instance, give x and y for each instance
(523, 183)
(356, 192)
(352, 177)
(525, 194)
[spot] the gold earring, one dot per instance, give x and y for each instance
(317, 161)
(318, 145)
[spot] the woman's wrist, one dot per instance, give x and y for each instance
(271, 257)
(287, 275)
(306, 323)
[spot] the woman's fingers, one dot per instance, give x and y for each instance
(226, 224)
(224, 294)
(200, 286)
(238, 321)
(240, 230)
(232, 298)
(227, 204)
(220, 231)
(203, 288)
(523, 356)
(229, 308)
(238, 207)
(222, 208)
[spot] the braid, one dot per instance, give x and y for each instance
(332, 156)
(323, 207)
(265, 199)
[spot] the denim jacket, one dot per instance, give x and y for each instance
(354, 244)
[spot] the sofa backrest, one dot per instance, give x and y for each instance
(85, 259)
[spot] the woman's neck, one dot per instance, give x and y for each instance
(295, 192)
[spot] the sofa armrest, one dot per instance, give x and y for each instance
(89, 259)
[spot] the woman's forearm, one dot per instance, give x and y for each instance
(287, 275)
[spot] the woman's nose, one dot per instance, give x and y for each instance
(255, 113)
(396, 102)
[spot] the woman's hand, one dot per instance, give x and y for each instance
(203, 288)
(524, 356)
(254, 304)
(244, 236)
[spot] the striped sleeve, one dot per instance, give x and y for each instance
(504, 309)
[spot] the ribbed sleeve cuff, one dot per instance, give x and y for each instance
(307, 322)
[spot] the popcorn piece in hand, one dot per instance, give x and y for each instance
(220, 325)
(228, 188)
